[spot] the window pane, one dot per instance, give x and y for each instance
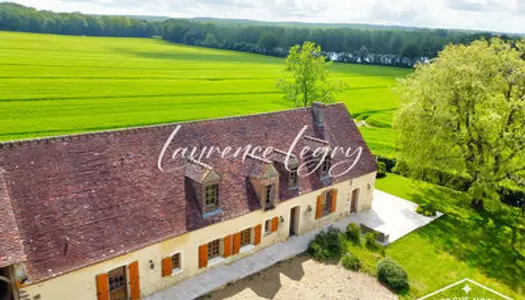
(246, 237)
(211, 195)
(268, 226)
(214, 249)
(292, 180)
(327, 203)
(268, 194)
(175, 261)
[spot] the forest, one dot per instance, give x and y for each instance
(390, 46)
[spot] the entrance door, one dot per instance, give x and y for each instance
(117, 284)
(355, 199)
(294, 220)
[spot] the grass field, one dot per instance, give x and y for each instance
(461, 244)
(55, 85)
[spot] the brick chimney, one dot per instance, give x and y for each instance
(318, 115)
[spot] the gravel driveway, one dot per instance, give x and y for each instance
(303, 278)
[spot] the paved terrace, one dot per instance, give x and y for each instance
(389, 214)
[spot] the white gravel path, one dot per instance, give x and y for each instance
(303, 278)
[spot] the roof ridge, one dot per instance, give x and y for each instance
(264, 160)
(125, 130)
(312, 138)
(200, 163)
(283, 152)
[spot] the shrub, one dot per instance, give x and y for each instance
(426, 210)
(353, 232)
(390, 163)
(351, 262)
(393, 275)
(371, 240)
(326, 245)
(381, 170)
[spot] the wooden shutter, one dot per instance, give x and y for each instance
(334, 201)
(134, 280)
(102, 287)
(167, 267)
(203, 256)
(275, 224)
(236, 242)
(319, 211)
(257, 233)
(227, 246)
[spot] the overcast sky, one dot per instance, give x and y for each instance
(496, 15)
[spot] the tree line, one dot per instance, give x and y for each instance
(391, 46)
(16, 17)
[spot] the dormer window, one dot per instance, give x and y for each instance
(292, 178)
(212, 196)
(325, 167)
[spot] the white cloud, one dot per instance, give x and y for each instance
(496, 15)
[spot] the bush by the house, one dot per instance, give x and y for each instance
(326, 245)
(381, 170)
(426, 210)
(351, 262)
(393, 275)
(353, 232)
(390, 163)
(371, 240)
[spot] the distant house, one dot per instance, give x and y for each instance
(92, 216)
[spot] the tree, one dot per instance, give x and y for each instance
(268, 41)
(309, 80)
(465, 113)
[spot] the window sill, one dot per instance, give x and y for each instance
(212, 213)
(246, 248)
(176, 272)
(326, 215)
(216, 260)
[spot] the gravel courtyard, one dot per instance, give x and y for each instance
(303, 278)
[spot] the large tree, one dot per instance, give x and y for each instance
(465, 113)
(308, 76)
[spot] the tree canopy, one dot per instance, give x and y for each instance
(308, 80)
(465, 113)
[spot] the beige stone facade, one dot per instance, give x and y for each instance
(81, 284)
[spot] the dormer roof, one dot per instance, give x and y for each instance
(260, 167)
(201, 172)
(279, 156)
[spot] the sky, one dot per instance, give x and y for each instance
(493, 15)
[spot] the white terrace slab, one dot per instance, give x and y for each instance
(389, 214)
(392, 215)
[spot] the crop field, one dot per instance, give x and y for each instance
(52, 85)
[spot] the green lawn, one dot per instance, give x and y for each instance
(62, 84)
(460, 244)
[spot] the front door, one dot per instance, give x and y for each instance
(117, 284)
(355, 199)
(294, 220)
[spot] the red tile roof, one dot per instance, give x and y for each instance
(84, 198)
(11, 250)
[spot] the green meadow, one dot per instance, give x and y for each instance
(53, 85)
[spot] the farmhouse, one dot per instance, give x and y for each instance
(91, 216)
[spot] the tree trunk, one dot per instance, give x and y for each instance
(477, 204)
